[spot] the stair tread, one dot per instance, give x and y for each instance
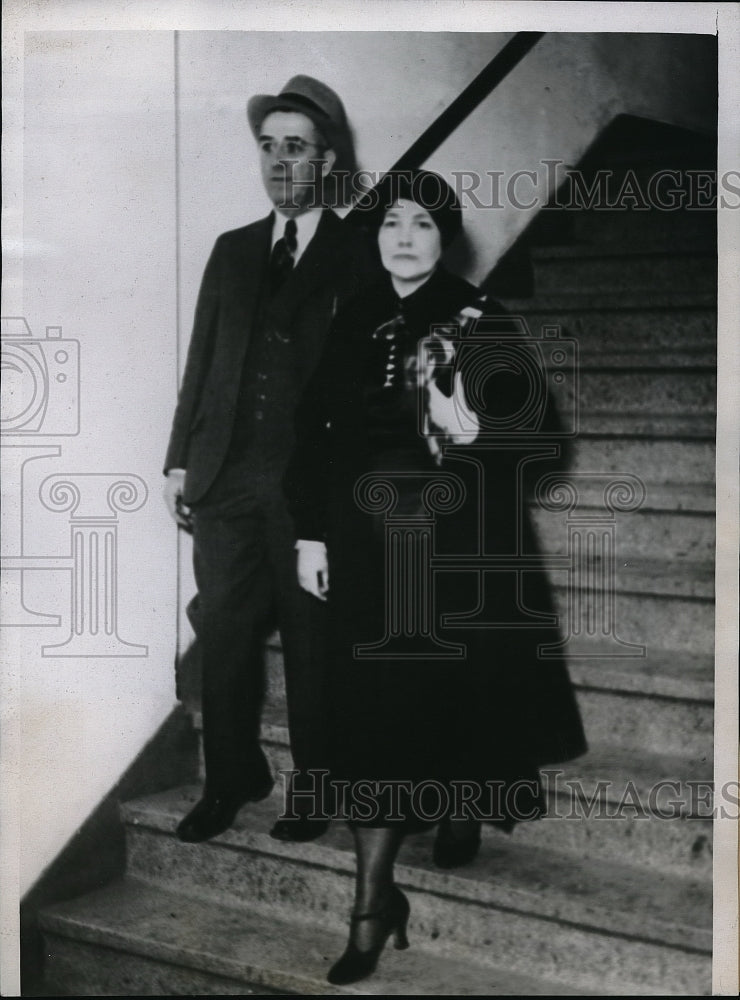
(644, 770)
(653, 360)
(667, 497)
(637, 330)
(684, 426)
(674, 910)
(262, 949)
(670, 673)
(666, 576)
(657, 577)
(568, 299)
(540, 309)
(598, 251)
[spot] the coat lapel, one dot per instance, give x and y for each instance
(248, 266)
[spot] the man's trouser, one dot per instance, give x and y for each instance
(245, 566)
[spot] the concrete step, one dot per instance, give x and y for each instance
(573, 296)
(671, 426)
(672, 622)
(135, 938)
(651, 230)
(666, 725)
(682, 848)
(682, 392)
(688, 536)
(698, 359)
(655, 577)
(679, 841)
(665, 673)
(586, 269)
(659, 605)
(512, 903)
(660, 497)
(678, 461)
(632, 332)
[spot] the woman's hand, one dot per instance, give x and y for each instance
(451, 414)
(313, 567)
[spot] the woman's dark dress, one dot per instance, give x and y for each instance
(496, 714)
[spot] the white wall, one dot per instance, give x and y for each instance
(99, 244)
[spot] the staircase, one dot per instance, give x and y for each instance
(583, 901)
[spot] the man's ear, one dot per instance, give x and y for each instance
(330, 158)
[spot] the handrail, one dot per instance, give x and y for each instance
(445, 124)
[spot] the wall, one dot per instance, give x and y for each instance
(99, 261)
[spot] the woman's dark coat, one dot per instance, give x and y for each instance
(500, 711)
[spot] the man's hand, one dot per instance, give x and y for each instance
(313, 567)
(173, 488)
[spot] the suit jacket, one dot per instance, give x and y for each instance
(334, 265)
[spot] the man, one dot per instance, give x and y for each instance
(266, 301)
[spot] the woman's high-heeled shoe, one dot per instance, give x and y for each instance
(452, 852)
(355, 964)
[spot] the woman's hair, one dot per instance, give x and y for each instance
(423, 187)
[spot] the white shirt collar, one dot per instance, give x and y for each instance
(306, 225)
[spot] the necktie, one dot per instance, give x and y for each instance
(282, 260)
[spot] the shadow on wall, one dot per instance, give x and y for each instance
(96, 854)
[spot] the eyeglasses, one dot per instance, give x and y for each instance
(292, 148)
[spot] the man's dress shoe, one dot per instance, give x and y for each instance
(215, 813)
(299, 830)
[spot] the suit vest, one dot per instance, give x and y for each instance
(262, 432)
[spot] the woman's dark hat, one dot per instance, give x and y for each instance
(424, 188)
(315, 100)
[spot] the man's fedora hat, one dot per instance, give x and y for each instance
(315, 100)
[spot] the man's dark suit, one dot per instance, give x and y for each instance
(243, 539)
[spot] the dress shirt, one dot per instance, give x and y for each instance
(306, 225)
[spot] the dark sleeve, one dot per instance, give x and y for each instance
(512, 392)
(196, 367)
(524, 400)
(306, 479)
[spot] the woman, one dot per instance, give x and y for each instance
(418, 711)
